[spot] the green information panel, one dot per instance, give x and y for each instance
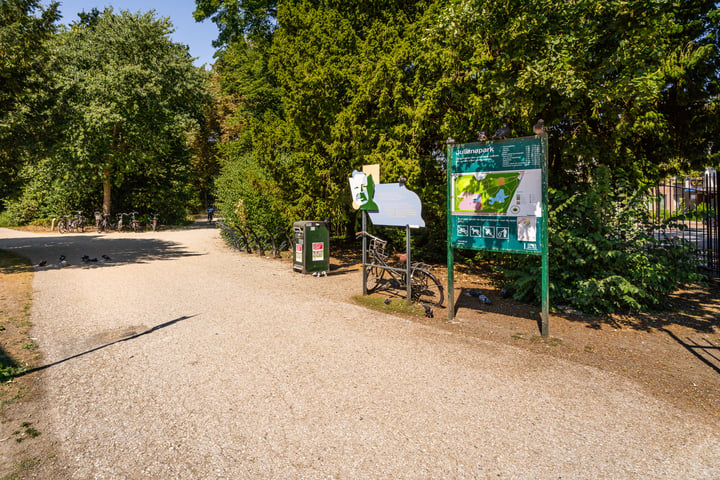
(496, 195)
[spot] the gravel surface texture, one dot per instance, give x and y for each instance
(179, 358)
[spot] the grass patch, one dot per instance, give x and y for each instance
(22, 467)
(397, 306)
(550, 341)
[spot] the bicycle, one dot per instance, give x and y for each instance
(134, 224)
(424, 286)
(153, 222)
(119, 225)
(70, 223)
(105, 224)
(98, 222)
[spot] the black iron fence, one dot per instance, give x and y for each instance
(689, 210)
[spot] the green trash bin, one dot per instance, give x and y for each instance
(312, 240)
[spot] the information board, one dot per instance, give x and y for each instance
(496, 195)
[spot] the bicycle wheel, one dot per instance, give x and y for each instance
(62, 226)
(426, 288)
(374, 278)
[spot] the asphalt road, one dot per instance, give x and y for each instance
(181, 359)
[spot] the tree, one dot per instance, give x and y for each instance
(25, 26)
(237, 19)
(129, 96)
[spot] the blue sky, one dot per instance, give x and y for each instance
(198, 36)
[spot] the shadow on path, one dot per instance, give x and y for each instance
(131, 337)
(46, 251)
(707, 352)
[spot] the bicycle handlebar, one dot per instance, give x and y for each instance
(359, 234)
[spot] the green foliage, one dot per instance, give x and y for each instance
(236, 19)
(246, 196)
(127, 98)
(25, 26)
(331, 86)
(605, 253)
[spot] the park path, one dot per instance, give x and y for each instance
(181, 359)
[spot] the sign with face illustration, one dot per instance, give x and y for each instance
(388, 204)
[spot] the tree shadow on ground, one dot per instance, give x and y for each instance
(131, 336)
(695, 307)
(46, 252)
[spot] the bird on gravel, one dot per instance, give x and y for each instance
(386, 301)
(502, 132)
(539, 128)
(484, 299)
(94, 259)
(85, 258)
(63, 261)
(428, 311)
(480, 295)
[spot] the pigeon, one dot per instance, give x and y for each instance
(504, 293)
(92, 259)
(484, 299)
(42, 263)
(502, 132)
(386, 301)
(106, 258)
(481, 296)
(428, 311)
(539, 128)
(85, 258)
(62, 258)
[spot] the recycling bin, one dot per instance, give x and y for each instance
(312, 240)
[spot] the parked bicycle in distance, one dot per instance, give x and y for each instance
(153, 222)
(71, 223)
(424, 286)
(134, 224)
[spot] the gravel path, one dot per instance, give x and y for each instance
(181, 359)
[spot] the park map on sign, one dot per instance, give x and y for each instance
(490, 193)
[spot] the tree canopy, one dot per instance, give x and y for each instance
(128, 95)
(629, 85)
(25, 26)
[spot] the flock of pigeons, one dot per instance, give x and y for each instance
(62, 261)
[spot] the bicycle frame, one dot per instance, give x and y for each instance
(423, 284)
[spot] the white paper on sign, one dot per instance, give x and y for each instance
(397, 206)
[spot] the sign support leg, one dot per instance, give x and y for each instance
(408, 278)
(364, 252)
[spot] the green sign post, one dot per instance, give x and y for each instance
(497, 201)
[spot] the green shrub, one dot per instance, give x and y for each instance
(605, 254)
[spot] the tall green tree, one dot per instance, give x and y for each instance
(238, 19)
(129, 96)
(25, 27)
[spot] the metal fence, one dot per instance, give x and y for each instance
(689, 208)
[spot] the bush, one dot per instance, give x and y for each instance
(605, 254)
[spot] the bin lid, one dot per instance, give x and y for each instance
(309, 223)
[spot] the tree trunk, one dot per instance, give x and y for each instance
(107, 178)
(107, 184)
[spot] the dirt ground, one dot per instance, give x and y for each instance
(674, 355)
(671, 355)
